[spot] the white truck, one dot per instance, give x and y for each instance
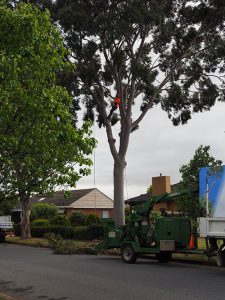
(5, 224)
(213, 230)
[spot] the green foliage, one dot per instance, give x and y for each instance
(60, 220)
(40, 222)
(142, 39)
(7, 204)
(77, 218)
(149, 189)
(43, 211)
(190, 179)
(190, 171)
(170, 53)
(65, 231)
(39, 142)
(80, 233)
(61, 246)
(41, 230)
(89, 232)
(95, 231)
(92, 219)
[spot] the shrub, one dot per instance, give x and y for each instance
(40, 222)
(43, 211)
(93, 219)
(95, 231)
(80, 233)
(89, 232)
(67, 232)
(59, 220)
(78, 218)
(64, 231)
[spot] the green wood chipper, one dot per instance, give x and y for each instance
(148, 233)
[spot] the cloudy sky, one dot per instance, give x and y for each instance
(158, 147)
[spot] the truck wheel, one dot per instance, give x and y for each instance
(164, 257)
(128, 255)
(220, 260)
(2, 238)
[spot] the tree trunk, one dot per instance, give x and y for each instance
(25, 218)
(118, 177)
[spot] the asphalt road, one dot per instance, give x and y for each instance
(35, 273)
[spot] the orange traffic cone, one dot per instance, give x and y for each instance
(192, 243)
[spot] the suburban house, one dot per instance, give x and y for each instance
(160, 185)
(89, 201)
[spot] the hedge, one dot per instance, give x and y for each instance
(67, 232)
(40, 222)
(91, 232)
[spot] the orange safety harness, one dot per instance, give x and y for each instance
(117, 102)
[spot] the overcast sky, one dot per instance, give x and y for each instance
(158, 147)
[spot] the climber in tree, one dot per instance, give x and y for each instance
(115, 105)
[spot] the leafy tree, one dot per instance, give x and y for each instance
(43, 211)
(190, 179)
(167, 52)
(190, 171)
(40, 146)
(7, 204)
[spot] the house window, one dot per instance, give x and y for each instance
(105, 214)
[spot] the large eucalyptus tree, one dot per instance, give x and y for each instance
(166, 52)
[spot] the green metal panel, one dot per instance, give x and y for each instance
(173, 228)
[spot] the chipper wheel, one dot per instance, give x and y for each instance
(128, 255)
(164, 257)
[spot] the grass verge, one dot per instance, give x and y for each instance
(35, 242)
(42, 242)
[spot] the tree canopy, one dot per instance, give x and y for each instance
(194, 206)
(167, 52)
(40, 145)
(190, 171)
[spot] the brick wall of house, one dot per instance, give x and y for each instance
(98, 211)
(171, 206)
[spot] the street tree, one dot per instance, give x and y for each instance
(190, 178)
(142, 53)
(40, 145)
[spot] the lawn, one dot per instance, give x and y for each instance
(42, 242)
(35, 242)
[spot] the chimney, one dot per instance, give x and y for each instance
(160, 185)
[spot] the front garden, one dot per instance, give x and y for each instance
(74, 234)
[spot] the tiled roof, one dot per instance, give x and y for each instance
(59, 199)
(139, 199)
